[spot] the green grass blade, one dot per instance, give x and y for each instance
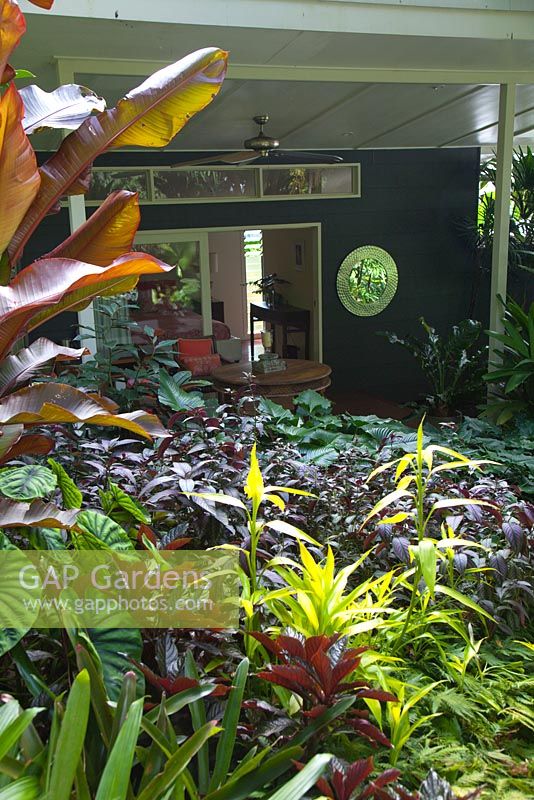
(23, 789)
(269, 771)
(198, 719)
(70, 739)
(297, 786)
(115, 781)
(226, 744)
(176, 765)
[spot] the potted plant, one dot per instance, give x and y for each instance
(454, 366)
(267, 286)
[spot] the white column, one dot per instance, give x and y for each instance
(205, 284)
(499, 263)
(86, 317)
(77, 217)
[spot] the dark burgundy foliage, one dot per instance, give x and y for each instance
(317, 669)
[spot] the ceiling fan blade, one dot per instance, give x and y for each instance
(302, 157)
(226, 158)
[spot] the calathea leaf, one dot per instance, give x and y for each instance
(66, 107)
(100, 529)
(27, 483)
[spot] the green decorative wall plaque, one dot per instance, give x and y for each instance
(367, 280)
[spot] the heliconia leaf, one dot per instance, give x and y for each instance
(19, 176)
(20, 367)
(12, 27)
(46, 403)
(49, 286)
(44, 515)
(386, 501)
(286, 528)
(108, 233)
(149, 116)
(66, 107)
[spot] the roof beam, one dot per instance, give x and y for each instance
(275, 72)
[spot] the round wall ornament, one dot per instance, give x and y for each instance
(367, 280)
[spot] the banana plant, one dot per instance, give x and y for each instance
(97, 259)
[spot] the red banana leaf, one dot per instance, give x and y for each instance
(47, 4)
(45, 403)
(45, 515)
(12, 27)
(9, 436)
(107, 234)
(149, 116)
(33, 444)
(49, 286)
(19, 176)
(22, 366)
(66, 107)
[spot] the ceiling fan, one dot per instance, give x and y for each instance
(266, 147)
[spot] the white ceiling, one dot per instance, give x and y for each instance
(304, 114)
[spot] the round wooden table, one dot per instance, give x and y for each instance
(279, 386)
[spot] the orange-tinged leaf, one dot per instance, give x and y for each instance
(20, 367)
(45, 515)
(34, 444)
(45, 403)
(149, 116)
(9, 436)
(46, 4)
(108, 233)
(12, 26)
(49, 286)
(19, 176)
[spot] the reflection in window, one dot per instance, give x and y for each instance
(207, 183)
(367, 280)
(307, 181)
(172, 291)
(105, 181)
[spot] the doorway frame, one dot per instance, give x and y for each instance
(201, 234)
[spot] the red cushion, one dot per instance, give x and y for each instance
(200, 365)
(195, 347)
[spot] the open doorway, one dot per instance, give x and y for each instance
(239, 257)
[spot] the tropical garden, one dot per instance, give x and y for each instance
(385, 636)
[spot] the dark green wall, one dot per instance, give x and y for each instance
(412, 202)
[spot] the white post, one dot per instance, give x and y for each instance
(86, 317)
(205, 284)
(499, 262)
(77, 217)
